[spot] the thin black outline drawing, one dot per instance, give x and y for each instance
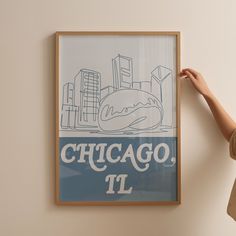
(122, 70)
(161, 74)
(88, 83)
(108, 112)
(82, 101)
(85, 104)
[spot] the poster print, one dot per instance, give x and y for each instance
(117, 125)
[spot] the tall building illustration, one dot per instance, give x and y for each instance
(122, 72)
(87, 87)
(162, 88)
(68, 109)
(68, 93)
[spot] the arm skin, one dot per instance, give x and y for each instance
(225, 123)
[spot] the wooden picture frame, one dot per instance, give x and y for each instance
(118, 118)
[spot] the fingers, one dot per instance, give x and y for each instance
(192, 71)
(187, 73)
(190, 75)
(182, 73)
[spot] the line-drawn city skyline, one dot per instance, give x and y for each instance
(126, 106)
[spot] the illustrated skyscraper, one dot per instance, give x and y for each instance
(162, 88)
(122, 72)
(87, 97)
(68, 109)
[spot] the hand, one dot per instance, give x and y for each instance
(197, 80)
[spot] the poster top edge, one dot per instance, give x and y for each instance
(131, 33)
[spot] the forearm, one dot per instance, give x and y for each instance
(223, 119)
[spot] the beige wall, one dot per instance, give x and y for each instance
(27, 117)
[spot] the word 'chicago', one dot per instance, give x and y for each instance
(98, 154)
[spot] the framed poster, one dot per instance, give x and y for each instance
(117, 118)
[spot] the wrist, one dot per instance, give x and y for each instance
(209, 97)
(208, 94)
